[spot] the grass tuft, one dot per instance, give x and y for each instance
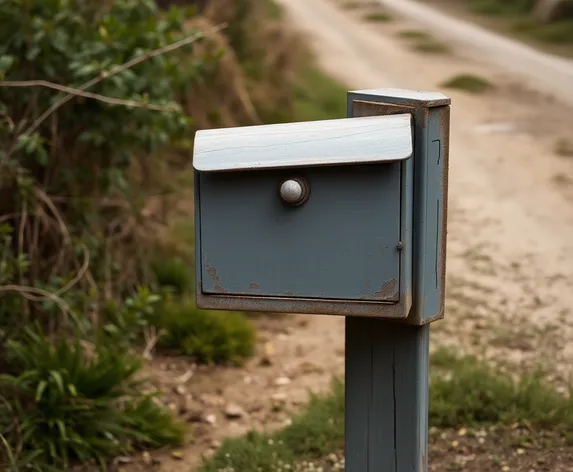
(78, 404)
(431, 47)
(463, 391)
(207, 336)
(174, 273)
(414, 34)
(469, 83)
(378, 17)
(424, 42)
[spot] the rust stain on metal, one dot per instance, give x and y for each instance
(254, 286)
(361, 108)
(213, 273)
(444, 124)
(220, 289)
(378, 309)
(387, 290)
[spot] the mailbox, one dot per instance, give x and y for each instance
(342, 217)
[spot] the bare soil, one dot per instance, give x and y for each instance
(479, 451)
(510, 255)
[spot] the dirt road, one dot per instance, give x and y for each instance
(540, 69)
(510, 249)
(510, 254)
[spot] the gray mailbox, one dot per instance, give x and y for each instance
(343, 217)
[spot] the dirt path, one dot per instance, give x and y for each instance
(537, 67)
(510, 259)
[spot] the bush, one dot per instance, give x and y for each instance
(208, 336)
(78, 402)
(96, 118)
(174, 273)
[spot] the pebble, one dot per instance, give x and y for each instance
(233, 411)
(146, 457)
(210, 419)
(180, 390)
(279, 397)
(282, 381)
(177, 455)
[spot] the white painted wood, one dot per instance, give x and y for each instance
(314, 143)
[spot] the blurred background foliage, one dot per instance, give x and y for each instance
(99, 102)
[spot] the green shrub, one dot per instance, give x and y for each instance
(75, 402)
(475, 393)
(174, 273)
(126, 321)
(76, 170)
(208, 336)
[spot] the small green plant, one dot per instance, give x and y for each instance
(378, 17)
(430, 47)
(414, 34)
(469, 83)
(208, 336)
(77, 402)
(464, 391)
(174, 273)
(315, 433)
(473, 393)
(424, 42)
(126, 322)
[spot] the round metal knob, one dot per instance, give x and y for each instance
(294, 191)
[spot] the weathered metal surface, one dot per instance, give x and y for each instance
(414, 99)
(341, 244)
(316, 143)
(431, 115)
(257, 253)
(335, 307)
(386, 413)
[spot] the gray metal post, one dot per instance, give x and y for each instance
(387, 362)
(386, 396)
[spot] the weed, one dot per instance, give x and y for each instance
(414, 34)
(208, 336)
(431, 47)
(174, 273)
(379, 17)
(469, 83)
(315, 433)
(69, 398)
(473, 393)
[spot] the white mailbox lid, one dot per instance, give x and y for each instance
(372, 139)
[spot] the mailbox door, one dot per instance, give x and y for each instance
(342, 243)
